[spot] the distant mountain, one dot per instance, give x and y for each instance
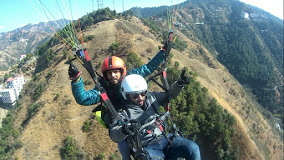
(25, 40)
(148, 11)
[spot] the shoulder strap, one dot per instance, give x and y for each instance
(84, 58)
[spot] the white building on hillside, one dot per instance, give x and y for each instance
(12, 91)
(11, 82)
(16, 83)
(22, 56)
(8, 96)
(245, 15)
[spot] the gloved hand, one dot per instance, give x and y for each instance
(73, 72)
(130, 127)
(183, 79)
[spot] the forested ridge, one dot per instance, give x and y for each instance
(250, 48)
(202, 119)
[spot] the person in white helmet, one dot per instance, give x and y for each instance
(142, 119)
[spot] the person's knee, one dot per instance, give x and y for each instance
(194, 147)
(194, 150)
(190, 145)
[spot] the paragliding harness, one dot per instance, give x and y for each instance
(135, 138)
(138, 152)
(81, 54)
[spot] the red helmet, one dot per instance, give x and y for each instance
(113, 62)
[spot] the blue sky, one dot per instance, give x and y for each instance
(17, 13)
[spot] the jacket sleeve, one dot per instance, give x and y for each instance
(151, 66)
(84, 97)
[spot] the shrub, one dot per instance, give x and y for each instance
(32, 110)
(36, 77)
(114, 47)
(15, 133)
(149, 50)
(114, 156)
(56, 97)
(18, 144)
(100, 157)
(86, 126)
(180, 45)
(65, 54)
(70, 150)
(88, 38)
(48, 56)
(134, 60)
(38, 91)
(68, 102)
(49, 74)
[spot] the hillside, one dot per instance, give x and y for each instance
(246, 40)
(58, 115)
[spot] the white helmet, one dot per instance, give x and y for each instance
(133, 83)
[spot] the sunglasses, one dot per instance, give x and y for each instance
(136, 95)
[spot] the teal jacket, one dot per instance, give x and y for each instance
(92, 96)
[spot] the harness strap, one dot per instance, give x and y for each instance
(165, 79)
(111, 108)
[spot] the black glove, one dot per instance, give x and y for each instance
(73, 72)
(130, 127)
(183, 79)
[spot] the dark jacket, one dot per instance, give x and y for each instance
(146, 115)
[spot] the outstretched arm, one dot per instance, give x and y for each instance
(151, 66)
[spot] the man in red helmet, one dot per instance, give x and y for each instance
(113, 69)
